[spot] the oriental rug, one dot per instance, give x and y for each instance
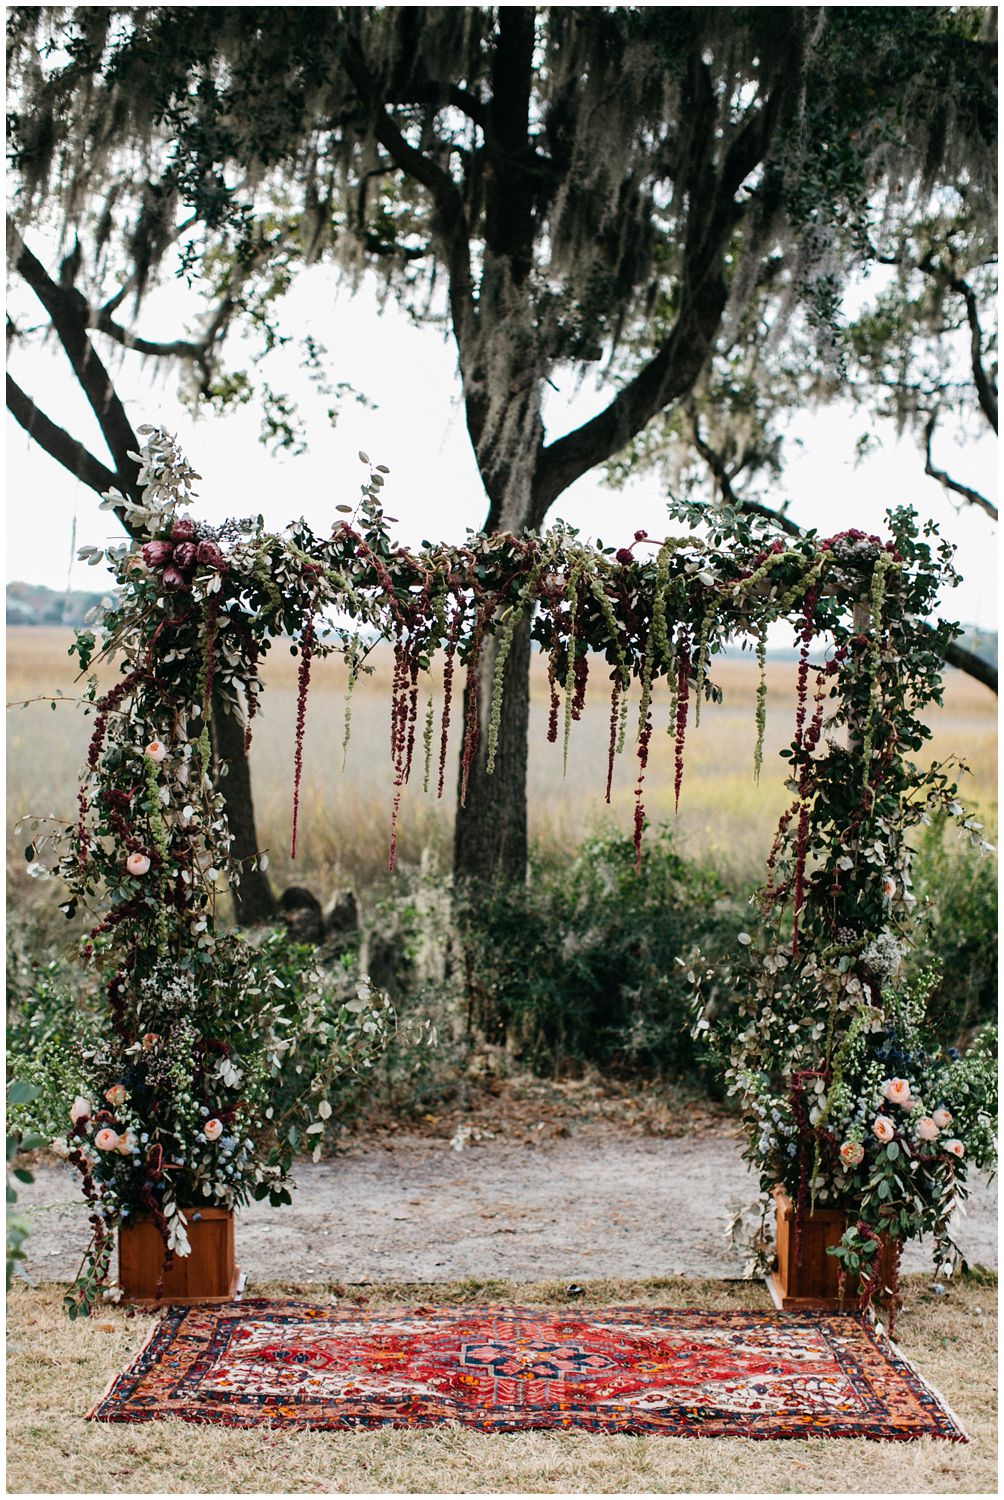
(508, 1369)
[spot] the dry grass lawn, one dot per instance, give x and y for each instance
(56, 1370)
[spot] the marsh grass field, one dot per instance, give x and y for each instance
(724, 815)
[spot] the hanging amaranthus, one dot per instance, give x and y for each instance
(572, 596)
(449, 666)
(302, 688)
(761, 701)
(682, 702)
(876, 602)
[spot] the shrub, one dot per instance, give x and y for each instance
(586, 964)
(957, 884)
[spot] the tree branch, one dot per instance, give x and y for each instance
(719, 469)
(57, 442)
(971, 496)
(68, 312)
(986, 390)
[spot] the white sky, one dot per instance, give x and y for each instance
(419, 431)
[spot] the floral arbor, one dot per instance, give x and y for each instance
(847, 1102)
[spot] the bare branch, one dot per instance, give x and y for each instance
(724, 478)
(57, 442)
(971, 496)
(986, 390)
(68, 313)
(452, 217)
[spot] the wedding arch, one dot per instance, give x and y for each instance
(173, 1111)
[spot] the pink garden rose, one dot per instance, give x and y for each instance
(942, 1118)
(212, 1130)
(897, 1091)
(852, 1153)
(107, 1139)
(137, 864)
(927, 1130)
(117, 1095)
(157, 751)
(80, 1109)
(954, 1146)
(883, 1128)
(127, 1144)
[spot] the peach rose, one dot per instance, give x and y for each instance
(137, 864)
(150, 1040)
(852, 1153)
(80, 1109)
(212, 1130)
(954, 1146)
(127, 1144)
(107, 1140)
(117, 1095)
(883, 1128)
(157, 751)
(927, 1130)
(897, 1091)
(942, 1118)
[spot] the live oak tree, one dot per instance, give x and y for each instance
(919, 347)
(550, 178)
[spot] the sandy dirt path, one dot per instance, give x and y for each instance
(414, 1208)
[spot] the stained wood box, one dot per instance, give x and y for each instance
(813, 1282)
(209, 1274)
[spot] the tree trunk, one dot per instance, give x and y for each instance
(253, 901)
(490, 842)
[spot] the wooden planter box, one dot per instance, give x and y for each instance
(814, 1282)
(209, 1274)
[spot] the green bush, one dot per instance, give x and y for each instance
(586, 965)
(956, 887)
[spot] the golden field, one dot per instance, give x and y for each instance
(345, 813)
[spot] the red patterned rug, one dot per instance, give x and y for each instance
(506, 1369)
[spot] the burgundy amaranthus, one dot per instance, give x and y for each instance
(639, 807)
(448, 671)
(302, 688)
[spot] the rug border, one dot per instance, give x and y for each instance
(130, 1368)
(880, 1334)
(867, 1322)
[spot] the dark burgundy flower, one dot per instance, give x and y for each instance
(623, 555)
(157, 554)
(183, 530)
(641, 536)
(209, 554)
(175, 580)
(185, 554)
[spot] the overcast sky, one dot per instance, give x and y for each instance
(418, 430)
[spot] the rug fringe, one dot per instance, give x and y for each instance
(122, 1374)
